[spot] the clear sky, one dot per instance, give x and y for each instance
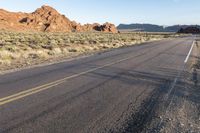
(163, 12)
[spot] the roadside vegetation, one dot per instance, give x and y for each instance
(196, 62)
(19, 49)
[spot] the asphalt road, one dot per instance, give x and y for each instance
(110, 92)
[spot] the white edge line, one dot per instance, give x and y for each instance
(186, 59)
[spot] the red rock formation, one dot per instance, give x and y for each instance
(10, 20)
(107, 27)
(47, 19)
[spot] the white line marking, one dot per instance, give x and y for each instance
(186, 60)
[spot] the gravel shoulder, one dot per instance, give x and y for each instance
(183, 114)
(171, 109)
(180, 111)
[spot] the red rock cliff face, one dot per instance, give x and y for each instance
(47, 19)
(10, 20)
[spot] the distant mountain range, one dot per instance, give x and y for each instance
(153, 27)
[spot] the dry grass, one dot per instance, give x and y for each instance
(22, 49)
(196, 60)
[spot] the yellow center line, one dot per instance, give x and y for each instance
(35, 90)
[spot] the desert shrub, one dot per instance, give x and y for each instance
(15, 46)
(72, 50)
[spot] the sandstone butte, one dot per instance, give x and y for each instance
(47, 19)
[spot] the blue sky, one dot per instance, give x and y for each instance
(163, 12)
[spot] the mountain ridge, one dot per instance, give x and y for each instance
(153, 27)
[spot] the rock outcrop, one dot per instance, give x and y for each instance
(10, 20)
(107, 27)
(47, 19)
(190, 30)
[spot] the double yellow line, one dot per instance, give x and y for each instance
(38, 89)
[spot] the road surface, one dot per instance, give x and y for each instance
(115, 91)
